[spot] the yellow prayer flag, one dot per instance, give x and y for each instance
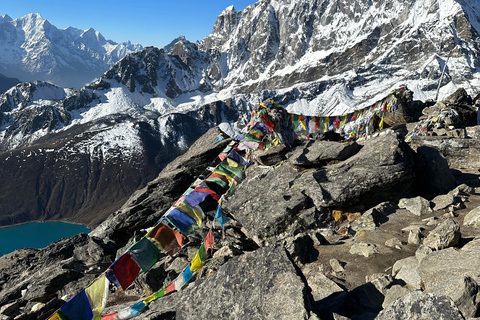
(256, 133)
(233, 164)
(149, 299)
(55, 316)
(97, 294)
(191, 212)
(380, 125)
(196, 263)
(229, 178)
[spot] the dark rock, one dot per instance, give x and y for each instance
(420, 305)
(250, 286)
(458, 97)
(271, 156)
(432, 172)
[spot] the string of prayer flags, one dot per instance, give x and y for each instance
(97, 294)
(77, 308)
(169, 239)
(145, 254)
(125, 271)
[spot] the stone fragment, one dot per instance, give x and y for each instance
(337, 266)
(394, 243)
(472, 218)
(443, 201)
(418, 206)
(393, 293)
(422, 251)
(414, 237)
(446, 234)
(364, 249)
(406, 270)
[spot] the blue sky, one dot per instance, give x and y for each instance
(148, 22)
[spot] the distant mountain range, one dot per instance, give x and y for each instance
(6, 83)
(80, 153)
(33, 49)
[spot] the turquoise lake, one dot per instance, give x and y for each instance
(36, 235)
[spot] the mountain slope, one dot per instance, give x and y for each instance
(33, 49)
(316, 57)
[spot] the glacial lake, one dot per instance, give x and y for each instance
(36, 235)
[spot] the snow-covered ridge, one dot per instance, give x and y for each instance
(33, 49)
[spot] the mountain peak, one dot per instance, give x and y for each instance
(5, 18)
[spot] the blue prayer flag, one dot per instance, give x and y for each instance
(221, 217)
(181, 220)
(77, 308)
(187, 274)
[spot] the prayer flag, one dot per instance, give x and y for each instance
(218, 179)
(196, 263)
(187, 274)
(206, 189)
(77, 308)
(196, 212)
(55, 316)
(145, 254)
(170, 240)
(209, 240)
(302, 122)
(194, 198)
(221, 217)
(110, 316)
(170, 288)
(233, 164)
(125, 270)
(337, 122)
(182, 221)
(137, 307)
(248, 145)
(202, 252)
(154, 296)
(97, 294)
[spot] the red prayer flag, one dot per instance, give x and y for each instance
(209, 240)
(110, 316)
(214, 195)
(169, 239)
(170, 287)
(126, 270)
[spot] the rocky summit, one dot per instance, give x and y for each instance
(383, 227)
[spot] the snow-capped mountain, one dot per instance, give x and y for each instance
(33, 49)
(319, 57)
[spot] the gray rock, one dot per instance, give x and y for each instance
(439, 266)
(319, 153)
(472, 218)
(406, 270)
(268, 204)
(462, 190)
(271, 156)
(301, 248)
(420, 305)
(462, 290)
(414, 237)
(446, 234)
(363, 223)
(250, 286)
(418, 206)
(363, 249)
(336, 265)
(443, 201)
(393, 293)
(394, 243)
(422, 251)
(322, 287)
(336, 316)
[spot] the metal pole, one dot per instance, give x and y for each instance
(441, 78)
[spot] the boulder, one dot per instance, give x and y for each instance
(421, 305)
(460, 96)
(271, 156)
(443, 201)
(446, 234)
(472, 218)
(406, 270)
(418, 206)
(268, 203)
(462, 290)
(459, 153)
(442, 265)
(319, 153)
(432, 172)
(394, 243)
(260, 284)
(393, 293)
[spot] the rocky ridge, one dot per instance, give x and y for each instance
(360, 236)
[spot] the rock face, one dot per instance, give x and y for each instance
(382, 169)
(274, 291)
